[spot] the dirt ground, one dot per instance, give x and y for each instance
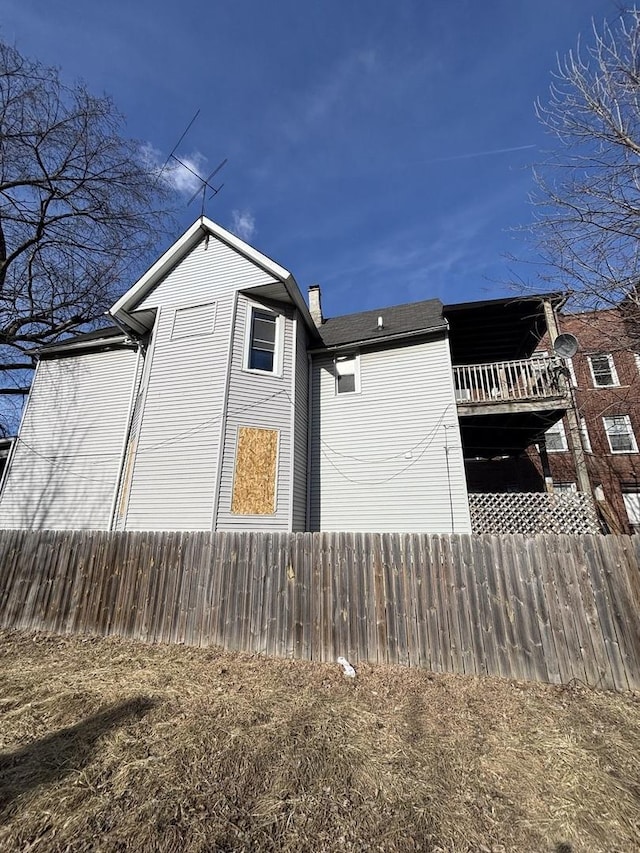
(107, 745)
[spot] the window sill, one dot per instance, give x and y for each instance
(256, 372)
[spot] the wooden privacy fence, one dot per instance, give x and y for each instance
(549, 608)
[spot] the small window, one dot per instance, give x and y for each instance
(565, 488)
(263, 341)
(584, 432)
(631, 498)
(556, 438)
(620, 434)
(603, 370)
(347, 369)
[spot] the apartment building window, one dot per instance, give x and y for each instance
(603, 370)
(347, 371)
(620, 434)
(631, 498)
(556, 438)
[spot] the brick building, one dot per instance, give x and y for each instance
(605, 374)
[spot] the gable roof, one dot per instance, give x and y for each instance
(122, 309)
(398, 321)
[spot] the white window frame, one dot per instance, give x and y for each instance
(608, 423)
(612, 369)
(279, 342)
(558, 427)
(586, 438)
(355, 357)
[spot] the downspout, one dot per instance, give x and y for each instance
(23, 416)
(137, 377)
(292, 417)
(307, 521)
(223, 418)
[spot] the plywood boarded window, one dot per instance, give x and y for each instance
(254, 483)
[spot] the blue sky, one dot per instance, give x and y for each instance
(380, 149)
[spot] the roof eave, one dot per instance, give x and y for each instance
(558, 298)
(381, 340)
(95, 344)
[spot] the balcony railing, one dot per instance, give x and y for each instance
(507, 381)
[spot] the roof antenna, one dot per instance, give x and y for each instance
(204, 181)
(173, 150)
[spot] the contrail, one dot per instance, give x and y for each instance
(479, 154)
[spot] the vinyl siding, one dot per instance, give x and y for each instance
(256, 400)
(173, 481)
(300, 442)
(175, 471)
(64, 469)
(208, 272)
(378, 457)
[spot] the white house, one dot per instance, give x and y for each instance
(218, 402)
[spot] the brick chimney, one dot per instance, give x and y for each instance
(315, 304)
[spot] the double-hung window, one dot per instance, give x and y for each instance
(620, 434)
(603, 370)
(347, 371)
(556, 438)
(263, 341)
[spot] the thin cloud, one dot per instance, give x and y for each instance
(243, 224)
(321, 103)
(474, 154)
(180, 177)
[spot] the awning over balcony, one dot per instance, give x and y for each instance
(498, 329)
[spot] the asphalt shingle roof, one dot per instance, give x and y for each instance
(396, 319)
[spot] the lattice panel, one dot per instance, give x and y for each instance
(532, 512)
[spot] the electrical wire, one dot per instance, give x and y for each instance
(397, 473)
(376, 461)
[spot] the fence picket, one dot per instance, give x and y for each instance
(551, 608)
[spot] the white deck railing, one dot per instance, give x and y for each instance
(524, 379)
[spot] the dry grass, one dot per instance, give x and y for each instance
(112, 745)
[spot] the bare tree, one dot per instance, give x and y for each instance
(79, 208)
(588, 195)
